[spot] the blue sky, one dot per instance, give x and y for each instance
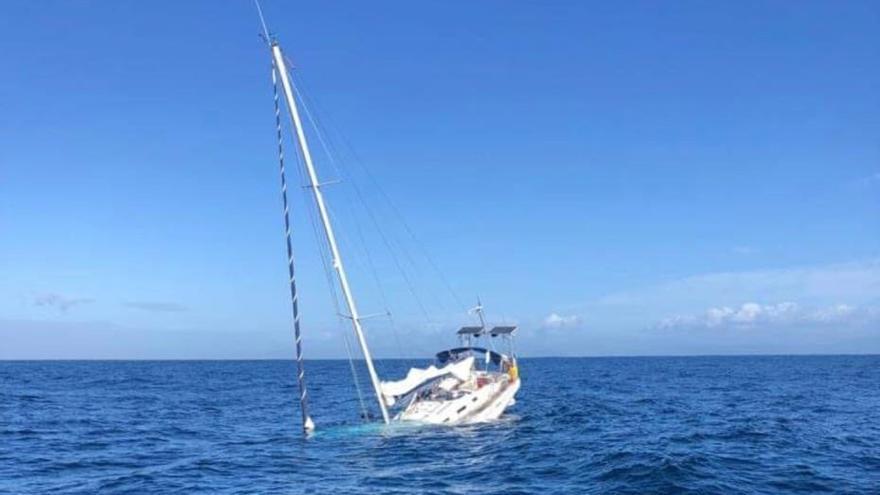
(638, 178)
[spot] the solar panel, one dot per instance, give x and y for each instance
(470, 331)
(502, 331)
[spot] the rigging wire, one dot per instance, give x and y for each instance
(323, 250)
(363, 244)
(320, 132)
(262, 21)
(374, 220)
(359, 263)
(400, 217)
(357, 383)
(331, 155)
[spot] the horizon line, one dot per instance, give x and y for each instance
(608, 356)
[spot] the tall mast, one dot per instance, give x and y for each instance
(281, 67)
(307, 423)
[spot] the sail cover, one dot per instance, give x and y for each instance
(418, 376)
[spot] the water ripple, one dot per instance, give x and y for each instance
(630, 425)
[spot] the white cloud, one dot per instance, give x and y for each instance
(837, 313)
(752, 314)
(554, 320)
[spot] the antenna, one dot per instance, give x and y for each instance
(478, 310)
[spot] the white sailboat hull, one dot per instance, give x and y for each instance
(486, 403)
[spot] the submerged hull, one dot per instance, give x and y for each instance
(485, 403)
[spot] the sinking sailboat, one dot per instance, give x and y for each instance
(472, 384)
(468, 383)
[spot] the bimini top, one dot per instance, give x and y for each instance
(478, 331)
(462, 352)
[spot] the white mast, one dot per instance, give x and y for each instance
(328, 229)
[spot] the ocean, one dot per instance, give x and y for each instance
(738, 425)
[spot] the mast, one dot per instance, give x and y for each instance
(281, 67)
(307, 423)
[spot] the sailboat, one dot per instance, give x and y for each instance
(472, 384)
(466, 384)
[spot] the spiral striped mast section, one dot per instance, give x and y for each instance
(307, 423)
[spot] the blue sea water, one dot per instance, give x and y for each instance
(587, 425)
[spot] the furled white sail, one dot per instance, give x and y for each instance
(417, 376)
